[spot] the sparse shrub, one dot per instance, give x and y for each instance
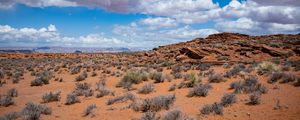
(206, 109)
(33, 111)
(125, 97)
(102, 91)
(146, 89)
(297, 82)
(10, 116)
(177, 75)
(288, 77)
(261, 88)
(204, 67)
(12, 92)
(129, 79)
(149, 116)
(157, 77)
(15, 80)
(226, 65)
(90, 110)
(266, 67)
(191, 80)
(173, 115)
(199, 90)
(50, 97)
(39, 81)
(83, 89)
(94, 74)
(72, 99)
(6, 101)
(81, 77)
(1, 74)
(42, 79)
(250, 84)
(75, 70)
(228, 99)
(275, 76)
(254, 98)
(172, 87)
(216, 108)
(215, 78)
(237, 86)
(235, 70)
(154, 104)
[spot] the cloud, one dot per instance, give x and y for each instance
(185, 11)
(188, 33)
(159, 22)
(37, 3)
(136, 35)
(50, 36)
(278, 2)
(248, 26)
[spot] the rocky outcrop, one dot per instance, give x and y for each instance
(194, 53)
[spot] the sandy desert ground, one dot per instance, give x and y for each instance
(220, 77)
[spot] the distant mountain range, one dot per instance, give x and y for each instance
(65, 49)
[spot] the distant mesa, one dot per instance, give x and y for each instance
(78, 51)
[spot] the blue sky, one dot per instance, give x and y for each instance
(138, 23)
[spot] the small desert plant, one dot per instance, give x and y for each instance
(237, 86)
(177, 75)
(254, 98)
(50, 97)
(39, 81)
(228, 99)
(33, 111)
(147, 88)
(266, 67)
(94, 74)
(83, 89)
(206, 109)
(125, 97)
(102, 91)
(199, 90)
(154, 104)
(172, 87)
(157, 77)
(81, 77)
(215, 78)
(250, 84)
(297, 82)
(15, 80)
(275, 76)
(6, 101)
(191, 80)
(129, 79)
(149, 116)
(175, 114)
(72, 99)
(12, 92)
(90, 110)
(10, 116)
(288, 77)
(42, 79)
(75, 70)
(216, 108)
(235, 70)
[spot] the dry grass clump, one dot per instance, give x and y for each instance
(154, 104)
(147, 88)
(51, 97)
(266, 67)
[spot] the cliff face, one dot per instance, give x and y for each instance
(231, 47)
